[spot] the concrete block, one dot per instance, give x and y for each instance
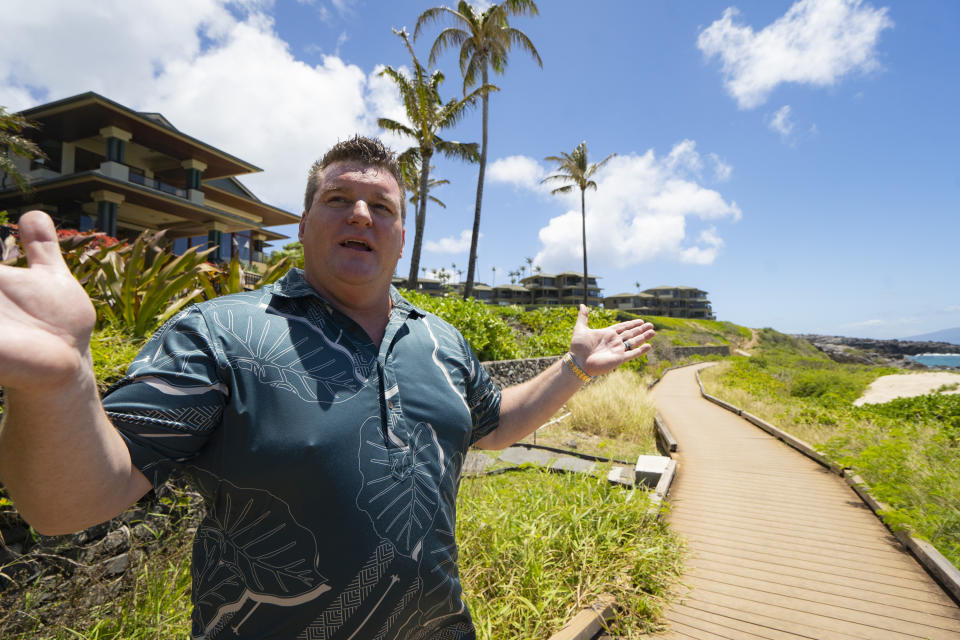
(622, 475)
(649, 469)
(576, 465)
(522, 455)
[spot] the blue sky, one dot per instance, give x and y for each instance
(797, 160)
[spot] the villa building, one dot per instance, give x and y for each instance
(121, 171)
(562, 288)
(672, 302)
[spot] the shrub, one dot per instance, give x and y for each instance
(489, 336)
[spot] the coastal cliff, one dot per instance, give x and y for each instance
(881, 352)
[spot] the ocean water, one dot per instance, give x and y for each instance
(938, 359)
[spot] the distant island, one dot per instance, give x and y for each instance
(944, 335)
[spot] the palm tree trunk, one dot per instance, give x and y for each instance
(472, 266)
(421, 219)
(583, 224)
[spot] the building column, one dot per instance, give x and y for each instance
(116, 149)
(108, 204)
(194, 169)
(215, 238)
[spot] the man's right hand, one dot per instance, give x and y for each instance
(46, 317)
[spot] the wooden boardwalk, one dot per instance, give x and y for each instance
(780, 548)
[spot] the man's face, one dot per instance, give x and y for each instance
(352, 235)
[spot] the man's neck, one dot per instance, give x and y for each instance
(371, 311)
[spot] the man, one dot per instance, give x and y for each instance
(324, 419)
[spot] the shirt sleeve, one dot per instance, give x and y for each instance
(171, 399)
(483, 397)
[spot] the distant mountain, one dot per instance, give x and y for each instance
(944, 335)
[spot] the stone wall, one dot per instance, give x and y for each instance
(510, 372)
(716, 350)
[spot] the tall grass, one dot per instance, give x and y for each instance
(615, 406)
(536, 547)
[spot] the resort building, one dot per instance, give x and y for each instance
(672, 302)
(562, 288)
(120, 171)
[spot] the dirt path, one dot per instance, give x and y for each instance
(779, 546)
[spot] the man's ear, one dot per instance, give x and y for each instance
(303, 221)
(403, 240)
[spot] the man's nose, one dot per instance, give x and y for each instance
(360, 213)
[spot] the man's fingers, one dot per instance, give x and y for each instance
(39, 238)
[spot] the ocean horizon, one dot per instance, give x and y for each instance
(951, 360)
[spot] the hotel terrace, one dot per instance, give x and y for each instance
(121, 171)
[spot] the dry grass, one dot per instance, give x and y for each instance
(615, 406)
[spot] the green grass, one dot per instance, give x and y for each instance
(536, 547)
(907, 450)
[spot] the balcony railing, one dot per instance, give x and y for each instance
(137, 178)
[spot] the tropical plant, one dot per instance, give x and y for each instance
(230, 279)
(484, 39)
(574, 169)
(142, 285)
(292, 250)
(428, 115)
(12, 141)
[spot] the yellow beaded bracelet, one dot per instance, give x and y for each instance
(576, 368)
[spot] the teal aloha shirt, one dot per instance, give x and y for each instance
(329, 467)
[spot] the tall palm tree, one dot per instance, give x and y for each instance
(484, 39)
(573, 169)
(428, 115)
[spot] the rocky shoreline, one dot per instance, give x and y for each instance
(879, 352)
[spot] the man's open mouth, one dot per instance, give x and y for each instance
(357, 245)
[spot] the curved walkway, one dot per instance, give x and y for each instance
(780, 548)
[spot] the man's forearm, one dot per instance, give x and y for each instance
(526, 406)
(61, 460)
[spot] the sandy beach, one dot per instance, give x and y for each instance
(906, 385)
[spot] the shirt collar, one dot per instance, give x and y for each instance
(295, 285)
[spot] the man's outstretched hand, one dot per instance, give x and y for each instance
(46, 317)
(602, 350)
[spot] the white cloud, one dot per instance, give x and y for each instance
(816, 42)
(229, 81)
(721, 170)
(641, 211)
(451, 244)
(520, 171)
(780, 122)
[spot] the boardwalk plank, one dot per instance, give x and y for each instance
(801, 629)
(696, 617)
(851, 600)
(880, 594)
(780, 547)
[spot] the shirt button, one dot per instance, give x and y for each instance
(390, 403)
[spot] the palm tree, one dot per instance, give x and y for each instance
(573, 169)
(484, 40)
(410, 170)
(427, 115)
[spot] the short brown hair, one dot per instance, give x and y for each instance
(368, 151)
